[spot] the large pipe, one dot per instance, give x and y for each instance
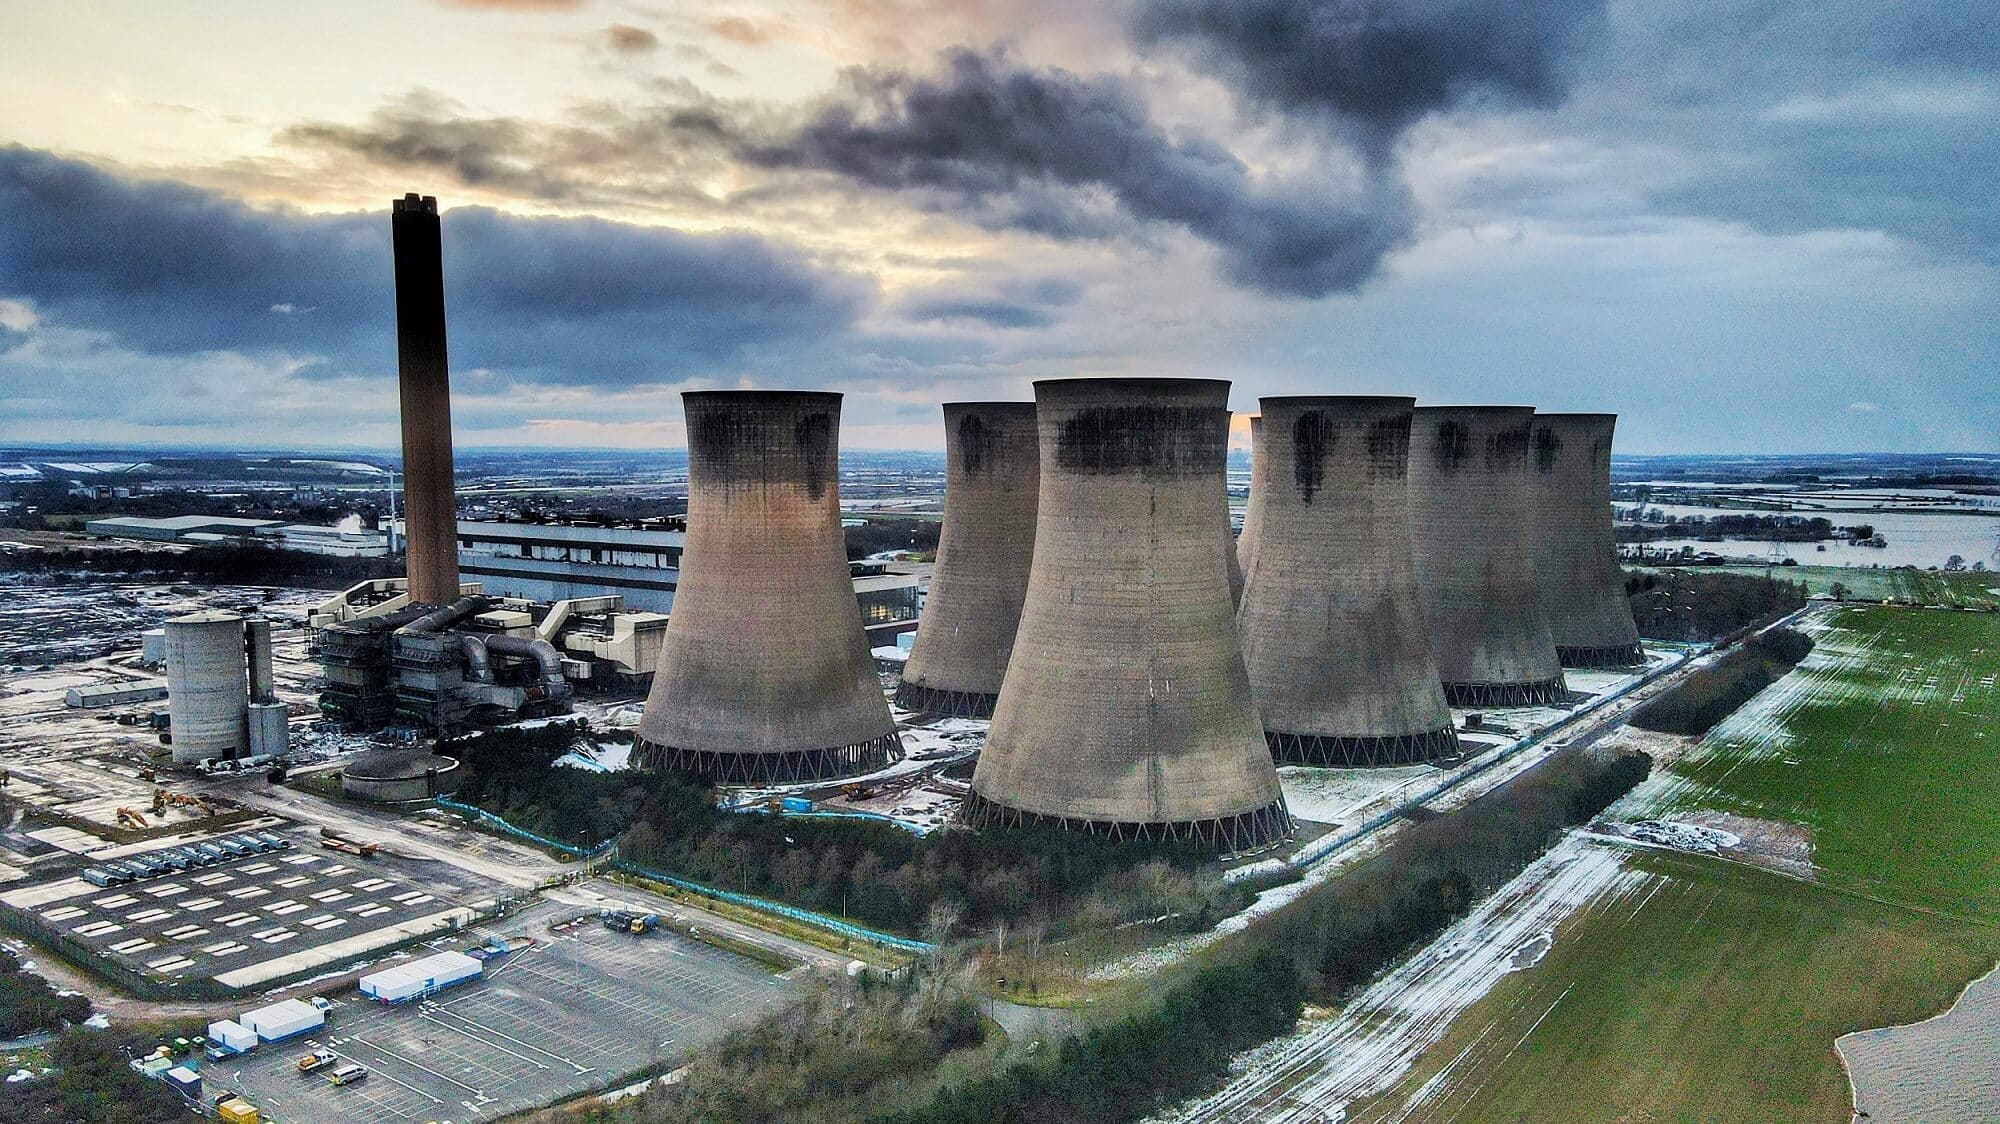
(1576, 558)
(541, 651)
(981, 578)
(1471, 520)
(437, 620)
(1126, 710)
(1332, 625)
(764, 671)
(424, 382)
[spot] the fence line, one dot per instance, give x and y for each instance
(748, 901)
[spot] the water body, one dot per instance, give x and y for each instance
(1943, 1069)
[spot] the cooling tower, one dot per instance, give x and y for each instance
(1253, 505)
(988, 541)
(764, 672)
(208, 689)
(1332, 625)
(1576, 559)
(1126, 710)
(430, 518)
(1471, 521)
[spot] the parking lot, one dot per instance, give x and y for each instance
(257, 918)
(576, 1012)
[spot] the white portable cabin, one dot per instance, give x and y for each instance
(232, 1035)
(420, 977)
(282, 1020)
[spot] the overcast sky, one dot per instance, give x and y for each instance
(1743, 226)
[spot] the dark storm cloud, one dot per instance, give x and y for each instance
(1073, 156)
(1379, 65)
(173, 270)
(632, 40)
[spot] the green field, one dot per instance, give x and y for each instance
(1885, 743)
(1963, 589)
(1718, 999)
(1712, 990)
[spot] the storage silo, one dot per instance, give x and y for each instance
(208, 691)
(1126, 710)
(1471, 519)
(1332, 624)
(984, 550)
(764, 672)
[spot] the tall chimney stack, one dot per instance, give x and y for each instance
(431, 517)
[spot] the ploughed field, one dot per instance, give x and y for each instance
(1698, 988)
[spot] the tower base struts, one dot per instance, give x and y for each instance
(1609, 658)
(1246, 831)
(1336, 751)
(944, 702)
(775, 767)
(1547, 692)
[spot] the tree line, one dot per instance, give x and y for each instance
(1703, 699)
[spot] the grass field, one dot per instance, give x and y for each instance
(1885, 743)
(1713, 993)
(1714, 990)
(1963, 590)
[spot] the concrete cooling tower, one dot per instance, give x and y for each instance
(1332, 625)
(1253, 506)
(1126, 710)
(991, 480)
(1576, 559)
(1471, 520)
(430, 517)
(764, 672)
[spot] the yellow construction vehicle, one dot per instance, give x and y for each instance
(129, 817)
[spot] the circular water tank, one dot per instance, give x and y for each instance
(391, 775)
(208, 685)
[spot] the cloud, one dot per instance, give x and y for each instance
(515, 5)
(1072, 157)
(630, 40)
(165, 269)
(1378, 65)
(1863, 407)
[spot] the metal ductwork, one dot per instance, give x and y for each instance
(764, 672)
(1576, 557)
(992, 476)
(1332, 624)
(541, 651)
(463, 609)
(1472, 521)
(477, 665)
(1126, 710)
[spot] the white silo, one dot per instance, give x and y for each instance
(208, 688)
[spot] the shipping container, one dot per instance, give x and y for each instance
(797, 804)
(283, 1020)
(97, 877)
(420, 977)
(185, 1080)
(238, 1111)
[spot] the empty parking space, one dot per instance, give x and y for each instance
(572, 1014)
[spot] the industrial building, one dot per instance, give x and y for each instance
(992, 476)
(1576, 557)
(765, 674)
(94, 695)
(198, 530)
(1471, 522)
(1126, 710)
(638, 562)
(221, 696)
(1332, 624)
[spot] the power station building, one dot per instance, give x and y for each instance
(992, 478)
(765, 674)
(1332, 624)
(1126, 710)
(1471, 521)
(1576, 558)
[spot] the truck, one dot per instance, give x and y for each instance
(630, 921)
(316, 1060)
